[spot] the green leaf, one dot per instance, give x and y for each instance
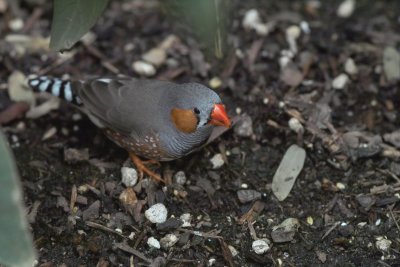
(72, 19)
(15, 240)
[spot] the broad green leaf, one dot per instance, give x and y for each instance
(208, 20)
(72, 19)
(16, 248)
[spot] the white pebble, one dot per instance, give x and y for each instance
(250, 19)
(16, 24)
(383, 244)
(350, 67)
(378, 222)
(340, 81)
(215, 83)
(283, 61)
(131, 235)
(129, 176)
(155, 56)
(260, 246)
(361, 224)
(168, 241)
(346, 8)
(305, 27)
(180, 178)
(143, 68)
(341, 186)
(295, 125)
(211, 262)
(186, 219)
(153, 243)
(263, 29)
(217, 161)
(156, 213)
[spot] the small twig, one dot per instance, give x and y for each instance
(252, 231)
(102, 227)
(211, 234)
(106, 64)
(74, 195)
(389, 173)
(330, 230)
(59, 61)
(132, 251)
(394, 219)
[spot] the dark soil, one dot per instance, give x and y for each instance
(346, 197)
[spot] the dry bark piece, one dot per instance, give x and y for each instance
(92, 211)
(287, 172)
(76, 155)
(391, 64)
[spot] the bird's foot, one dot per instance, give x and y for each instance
(141, 168)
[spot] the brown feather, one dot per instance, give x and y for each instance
(184, 119)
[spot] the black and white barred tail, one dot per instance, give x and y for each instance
(57, 87)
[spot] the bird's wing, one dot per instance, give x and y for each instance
(128, 106)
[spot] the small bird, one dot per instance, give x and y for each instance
(156, 120)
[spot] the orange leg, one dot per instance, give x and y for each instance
(141, 168)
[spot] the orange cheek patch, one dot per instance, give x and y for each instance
(184, 120)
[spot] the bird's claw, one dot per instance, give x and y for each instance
(141, 168)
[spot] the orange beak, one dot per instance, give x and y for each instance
(219, 116)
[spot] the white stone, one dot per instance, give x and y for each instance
(361, 224)
(250, 19)
(340, 81)
(233, 250)
(211, 262)
(186, 219)
(305, 27)
(155, 56)
(260, 246)
(217, 161)
(129, 176)
(341, 186)
(383, 244)
(350, 66)
(153, 243)
(168, 241)
(16, 24)
(180, 178)
(283, 61)
(262, 29)
(143, 68)
(215, 83)
(156, 213)
(295, 125)
(346, 8)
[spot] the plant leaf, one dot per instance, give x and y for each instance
(287, 172)
(72, 19)
(15, 240)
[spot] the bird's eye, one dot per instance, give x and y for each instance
(196, 110)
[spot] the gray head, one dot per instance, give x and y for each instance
(195, 107)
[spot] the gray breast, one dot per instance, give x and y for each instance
(178, 144)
